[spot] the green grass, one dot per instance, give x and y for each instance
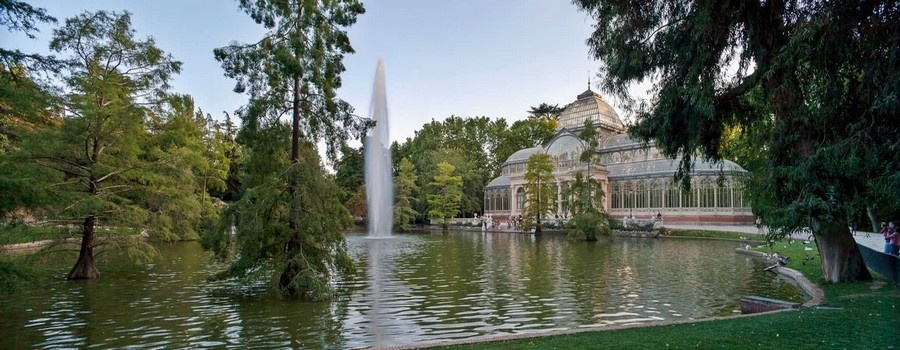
(854, 316)
(11, 234)
(716, 234)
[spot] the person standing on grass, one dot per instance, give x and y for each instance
(894, 238)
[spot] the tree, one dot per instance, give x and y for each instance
(405, 188)
(357, 203)
(25, 100)
(350, 171)
(827, 73)
(181, 206)
(445, 194)
(545, 110)
(540, 191)
(293, 70)
(99, 166)
(585, 188)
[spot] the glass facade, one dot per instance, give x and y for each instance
(663, 193)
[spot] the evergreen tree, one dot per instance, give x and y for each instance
(289, 218)
(445, 195)
(546, 110)
(99, 165)
(540, 191)
(25, 100)
(405, 188)
(826, 71)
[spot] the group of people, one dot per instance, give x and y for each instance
(891, 238)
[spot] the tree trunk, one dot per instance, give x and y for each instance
(841, 259)
(84, 268)
(292, 269)
(870, 212)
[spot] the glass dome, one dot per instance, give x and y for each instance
(590, 106)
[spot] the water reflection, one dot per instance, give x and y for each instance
(411, 288)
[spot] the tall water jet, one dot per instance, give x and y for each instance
(379, 183)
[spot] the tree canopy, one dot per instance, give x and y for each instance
(540, 191)
(444, 194)
(825, 71)
(291, 216)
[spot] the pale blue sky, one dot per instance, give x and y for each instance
(467, 57)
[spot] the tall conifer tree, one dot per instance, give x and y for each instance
(291, 216)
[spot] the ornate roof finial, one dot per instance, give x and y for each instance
(589, 79)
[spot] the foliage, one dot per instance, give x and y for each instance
(291, 217)
(100, 165)
(185, 139)
(25, 233)
(530, 132)
(540, 191)
(350, 171)
(357, 203)
(17, 16)
(585, 192)
(295, 68)
(475, 146)
(14, 276)
(26, 102)
(590, 224)
(825, 71)
(405, 189)
(445, 194)
(546, 110)
(305, 257)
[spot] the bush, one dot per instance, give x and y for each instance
(589, 225)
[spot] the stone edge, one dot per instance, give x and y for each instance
(816, 295)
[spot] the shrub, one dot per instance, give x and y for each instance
(590, 224)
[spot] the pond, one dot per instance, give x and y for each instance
(411, 288)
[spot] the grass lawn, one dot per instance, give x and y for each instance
(854, 316)
(716, 234)
(24, 233)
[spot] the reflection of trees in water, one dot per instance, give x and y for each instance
(455, 285)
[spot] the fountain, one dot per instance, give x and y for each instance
(379, 183)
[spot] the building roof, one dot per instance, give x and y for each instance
(589, 105)
(618, 141)
(522, 155)
(500, 181)
(667, 167)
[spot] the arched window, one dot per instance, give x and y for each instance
(739, 200)
(723, 195)
(640, 195)
(687, 198)
(628, 196)
(615, 196)
(707, 192)
(673, 195)
(656, 195)
(520, 199)
(505, 204)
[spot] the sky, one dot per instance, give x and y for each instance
(467, 58)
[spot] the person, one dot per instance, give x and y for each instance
(894, 238)
(885, 231)
(759, 225)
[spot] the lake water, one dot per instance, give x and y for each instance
(411, 288)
